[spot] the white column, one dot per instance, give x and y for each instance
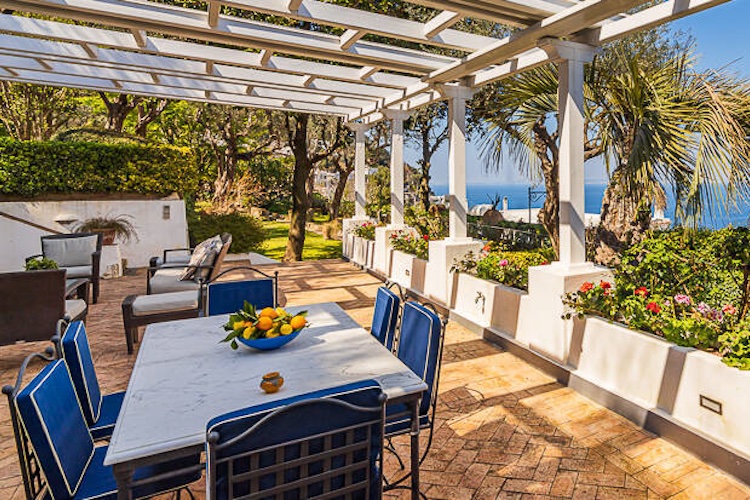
(360, 184)
(572, 138)
(457, 159)
(397, 118)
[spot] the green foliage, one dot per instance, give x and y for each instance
(29, 168)
(98, 136)
(379, 194)
(120, 225)
(273, 179)
(40, 263)
(432, 222)
(411, 243)
(508, 267)
(247, 232)
(735, 347)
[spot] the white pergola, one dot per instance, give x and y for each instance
(153, 49)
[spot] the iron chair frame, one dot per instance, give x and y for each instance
(213, 445)
(433, 405)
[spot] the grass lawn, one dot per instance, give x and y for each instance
(315, 246)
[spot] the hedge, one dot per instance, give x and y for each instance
(31, 168)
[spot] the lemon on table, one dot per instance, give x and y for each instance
(272, 335)
(264, 323)
(281, 312)
(298, 322)
(238, 325)
(269, 312)
(286, 329)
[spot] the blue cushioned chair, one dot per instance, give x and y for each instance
(420, 347)
(100, 411)
(385, 316)
(225, 297)
(323, 443)
(63, 462)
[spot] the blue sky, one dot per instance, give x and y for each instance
(721, 39)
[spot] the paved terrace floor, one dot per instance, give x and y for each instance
(504, 429)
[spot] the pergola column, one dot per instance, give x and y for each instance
(397, 118)
(573, 57)
(458, 95)
(360, 174)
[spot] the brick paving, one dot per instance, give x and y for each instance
(504, 429)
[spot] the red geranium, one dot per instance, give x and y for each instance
(653, 307)
(605, 285)
(586, 287)
(641, 291)
(426, 238)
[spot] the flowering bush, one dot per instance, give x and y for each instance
(411, 243)
(678, 318)
(366, 230)
(508, 267)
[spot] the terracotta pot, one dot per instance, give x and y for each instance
(271, 382)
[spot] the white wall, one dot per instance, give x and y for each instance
(18, 241)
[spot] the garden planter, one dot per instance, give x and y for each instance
(407, 270)
(359, 251)
(487, 302)
(370, 260)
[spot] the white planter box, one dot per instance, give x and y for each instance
(408, 270)
(473, 298)
(626, 362)
(705, 376)
(370, 260)
(359, 251)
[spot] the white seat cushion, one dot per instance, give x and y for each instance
(144, 305)
(78, 272)
(168, 280)
(75, 308)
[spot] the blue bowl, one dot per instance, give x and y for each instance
(269, 344)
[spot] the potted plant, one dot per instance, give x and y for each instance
(112, 228)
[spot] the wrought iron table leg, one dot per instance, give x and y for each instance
(124, 476)
(415, 449)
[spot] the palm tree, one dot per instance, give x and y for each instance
(662, 125)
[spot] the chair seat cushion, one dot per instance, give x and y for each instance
(99, 481)
(75, 308)
(108, 413)
(168, 280)
(145, 305)
(78, 271)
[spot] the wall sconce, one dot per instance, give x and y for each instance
(66, 219)
(166, 212)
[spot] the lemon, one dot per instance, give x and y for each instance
(281, 312)
(237, 325)
(264, 323)
(271, 335)
(286, 329)
(248, 332)
(298, 322)
(269, 312)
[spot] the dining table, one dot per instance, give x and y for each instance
(184, 376)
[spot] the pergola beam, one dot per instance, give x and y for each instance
(518, 13)
(441, 22)
(190, 23)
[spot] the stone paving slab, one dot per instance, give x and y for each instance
(503, 430)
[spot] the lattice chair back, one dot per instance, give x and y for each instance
(34, 483)
(326, 444)
(385, 316)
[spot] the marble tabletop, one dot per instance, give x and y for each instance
(183, 377)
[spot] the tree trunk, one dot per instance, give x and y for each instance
(147, 113)
(624, 221)
(424, 180)
(226, 167)
(338, 194)
(118, 110)
(300, 201)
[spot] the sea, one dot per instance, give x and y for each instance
(518, 197)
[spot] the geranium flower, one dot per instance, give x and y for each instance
(486, 248)
(729, 309)
(546, 262)
(503, 263)
(641, 291)
(586, 287)
(653, 307)
(605, 285)
(703, 308)
(426, 237)
(683, 299)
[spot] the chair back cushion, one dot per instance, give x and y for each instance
(419, 346)
(31, 304)
(384, 316)
(77, 354)
(52, 417)
(229, 296)
(226, 240)
(204, 254)
(308, 438)
(70, 250)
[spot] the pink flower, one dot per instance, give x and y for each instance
(683, 299)
(653, 307)
(729, 309)
(503, 262)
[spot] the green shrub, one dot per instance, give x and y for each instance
(98, 136)
(510, 268)
(366, 230)
(39, 264)
(247, 231)
(30, 168)
(413, 244)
